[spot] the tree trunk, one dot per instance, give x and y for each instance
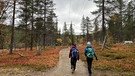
(103, 18)
(12, 35)
(44, 24)
(31, 48)
(38, 45)
(121, 32)
(87, 31)
(71, 30)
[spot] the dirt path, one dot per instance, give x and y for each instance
(63, 68)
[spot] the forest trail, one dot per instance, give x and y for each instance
(63, 68)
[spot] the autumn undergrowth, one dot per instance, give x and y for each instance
(49, 58)
(118, 58)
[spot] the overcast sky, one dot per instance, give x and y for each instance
(73, 10)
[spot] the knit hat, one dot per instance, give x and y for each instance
(88, 43)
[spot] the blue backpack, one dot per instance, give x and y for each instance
(90, 53)
(74, 53)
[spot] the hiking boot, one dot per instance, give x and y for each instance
(73, 70)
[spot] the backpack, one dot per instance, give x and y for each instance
(90, 53)
(74, 53)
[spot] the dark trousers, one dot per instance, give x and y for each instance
(73, 63)
(89, 63)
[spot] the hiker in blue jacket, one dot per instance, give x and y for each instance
(89, 53)
(74, 56)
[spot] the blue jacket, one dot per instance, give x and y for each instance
(86, 50)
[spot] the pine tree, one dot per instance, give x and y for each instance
(83, 27)
(3, 36)
(129, 20)
(88, 29)
(96, 31)
(65, 33)
(111, 8)
(13, 24)
(71, 33)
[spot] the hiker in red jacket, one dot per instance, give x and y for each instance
(74, 55)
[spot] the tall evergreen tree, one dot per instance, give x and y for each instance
(25, 20)
(71, 33)
(83, 27)
(65, 33)
(118, 11)
(3, 36)
(4, 5)
(113, 24)
(129, 20)
(32, 24)
(111, 7)
(96, 31)
(88, 29)
(13, 24)
(3, 31)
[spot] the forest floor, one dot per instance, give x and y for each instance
(62, 69)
